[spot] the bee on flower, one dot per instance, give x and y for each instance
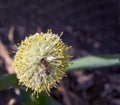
(41, 60)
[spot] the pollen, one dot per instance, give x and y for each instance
(41, 61)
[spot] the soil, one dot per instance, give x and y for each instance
(90, 27)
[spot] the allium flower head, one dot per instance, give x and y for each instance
(41, 60)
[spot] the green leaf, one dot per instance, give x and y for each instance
(7, 81)
(91, 62)
(27, 99)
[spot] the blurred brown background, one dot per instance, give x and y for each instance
(92, 27)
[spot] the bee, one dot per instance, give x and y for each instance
(45, 65)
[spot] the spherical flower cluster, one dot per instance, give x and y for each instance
(41, 60)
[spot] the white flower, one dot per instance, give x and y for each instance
(41, 61)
